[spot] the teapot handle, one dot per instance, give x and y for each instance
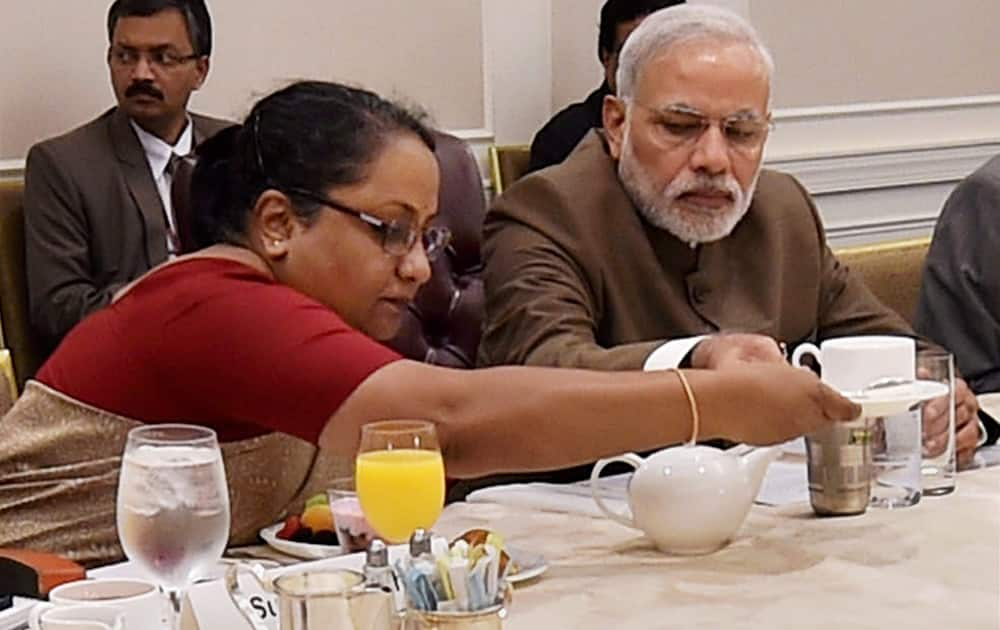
(240, 598)
(633, 460)
(803, 349)
(35, 615)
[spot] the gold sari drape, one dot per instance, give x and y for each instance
(59, 465)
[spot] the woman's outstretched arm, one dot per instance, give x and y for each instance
(510, 419)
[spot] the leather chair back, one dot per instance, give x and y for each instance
(26, 349)
(508, 163)
(892, 270)
(444, 322)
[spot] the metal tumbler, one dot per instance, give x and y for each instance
(840, 461)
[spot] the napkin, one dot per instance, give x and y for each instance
(551, 497)
(786, 482)
(16, 616)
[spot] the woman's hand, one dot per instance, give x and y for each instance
(771, 403)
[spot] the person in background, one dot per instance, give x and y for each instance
(556, 139)
(661, 242)
(959, 305)
(97, 201)
(315, 217)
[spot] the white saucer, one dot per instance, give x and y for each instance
(306, 551)
(897, 399)
(530, 565)
(990, 403)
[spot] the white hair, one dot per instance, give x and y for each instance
(668, 27)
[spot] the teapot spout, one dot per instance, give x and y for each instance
(756, 462)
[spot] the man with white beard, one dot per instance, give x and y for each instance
(660, 242)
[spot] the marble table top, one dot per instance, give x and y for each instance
(934, 565)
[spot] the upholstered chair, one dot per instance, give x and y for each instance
(26, 348)
(443, 323)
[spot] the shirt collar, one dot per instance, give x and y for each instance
(157, 151)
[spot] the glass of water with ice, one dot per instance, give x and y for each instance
(173, 505)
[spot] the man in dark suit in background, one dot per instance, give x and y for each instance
(565, 130)
(97, 203)
(959, 305)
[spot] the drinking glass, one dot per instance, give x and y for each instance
(173, 505)
(938, 465)
(400, 477)
(353, 530)
(895, 448)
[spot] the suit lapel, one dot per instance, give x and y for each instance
(198, 132)
(142, 188)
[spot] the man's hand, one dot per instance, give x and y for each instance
(728, 350)
(966, 424)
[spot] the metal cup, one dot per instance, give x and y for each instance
(839, 462)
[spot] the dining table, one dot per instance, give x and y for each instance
(933, 565)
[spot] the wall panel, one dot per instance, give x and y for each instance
(429, 52)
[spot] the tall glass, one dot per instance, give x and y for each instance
(938, 419)
(400, 477)
(173, 505)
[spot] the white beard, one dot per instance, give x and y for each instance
(690, 224)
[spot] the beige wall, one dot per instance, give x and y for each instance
(494, 69)
(881, 105)
(429, 52)
(850, 51)
(859, 51)
(576, 71)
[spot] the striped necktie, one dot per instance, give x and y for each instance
(180, 168)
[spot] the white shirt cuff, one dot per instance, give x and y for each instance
(982, 433)
(670, 354)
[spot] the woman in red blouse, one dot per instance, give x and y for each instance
(315, 217)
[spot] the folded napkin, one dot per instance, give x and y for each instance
(16, 617)
(785, 483)
(551, 497)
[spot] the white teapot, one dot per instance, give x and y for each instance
(689, 499)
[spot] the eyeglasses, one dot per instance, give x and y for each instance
(160, 58)
(679, 125)
(398, 235)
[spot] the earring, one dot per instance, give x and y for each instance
(275, 242)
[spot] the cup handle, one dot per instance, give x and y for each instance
(35, 614)
(803, 349)
(240, 599)
(633, 460)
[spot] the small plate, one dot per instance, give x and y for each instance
(306, 551)
(530, 565)
(896, 399)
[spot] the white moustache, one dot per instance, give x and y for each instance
(704, 184)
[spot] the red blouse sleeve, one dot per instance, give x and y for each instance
(265, 355)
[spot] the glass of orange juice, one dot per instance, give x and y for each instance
(399, 476)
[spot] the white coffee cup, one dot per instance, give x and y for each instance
(853, 363)
(46, 616)
(140, 601)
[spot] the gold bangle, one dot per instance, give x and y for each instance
(692, 404)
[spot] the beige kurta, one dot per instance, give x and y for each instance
(575, 277)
